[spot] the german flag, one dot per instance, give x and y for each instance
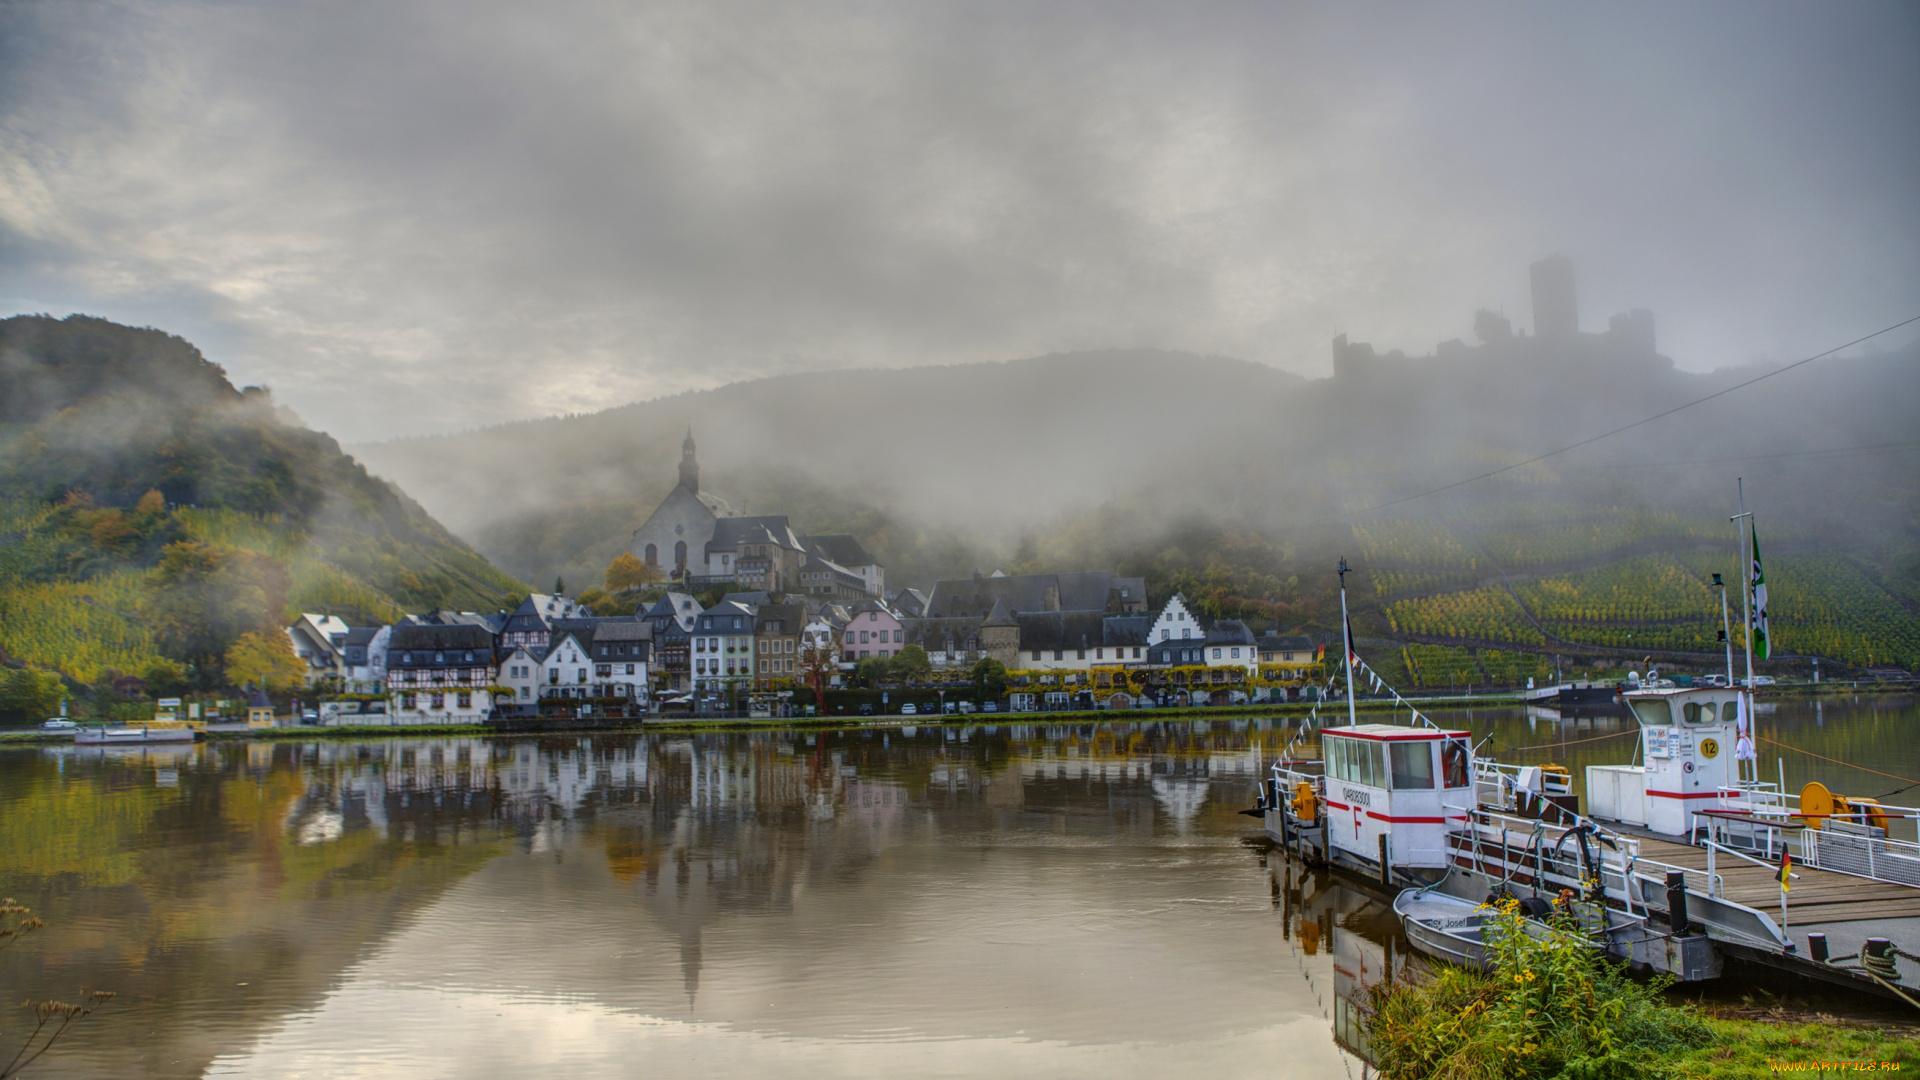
(1786, 870)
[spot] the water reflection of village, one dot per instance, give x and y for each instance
(702, 826)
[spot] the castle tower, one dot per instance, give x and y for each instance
(689, 468)
(1000, 635)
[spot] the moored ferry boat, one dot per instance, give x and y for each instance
(1686, 856)
(134, 734)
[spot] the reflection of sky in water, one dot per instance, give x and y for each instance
(1024, 900)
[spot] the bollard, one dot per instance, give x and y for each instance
(1817, 945)
(1677, 902)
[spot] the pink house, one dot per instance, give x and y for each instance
(873, 631)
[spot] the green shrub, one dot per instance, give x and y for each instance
(1551, 1009)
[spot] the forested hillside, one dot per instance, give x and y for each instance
(152, 515)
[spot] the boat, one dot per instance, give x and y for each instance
(1686, 852)
(1444, 927)
(131, 734)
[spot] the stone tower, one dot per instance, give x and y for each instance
(689, 468)
(1000, 636)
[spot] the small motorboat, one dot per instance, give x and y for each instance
(1444, 927)
(1449, 928)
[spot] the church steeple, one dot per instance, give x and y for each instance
(689, 468)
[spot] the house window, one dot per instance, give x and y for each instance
(629, 669)
(1059, 654)
(1036, 654)
(406, 701)
(1236, 654)
(763, 667)
(1099, 654)
(653, 555)
(899, 636)
(603, 670)
(1136, 652)
(466, 699)
(583, 676)
(523, 693)
(1080, 654)
(439, 701)
(439, 658)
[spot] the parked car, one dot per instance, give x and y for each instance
(866, 710)
(909, 709)
(988, 706)
(1763, 680)
(59, 723)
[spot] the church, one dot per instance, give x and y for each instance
(695, 539)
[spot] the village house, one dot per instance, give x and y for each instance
(317, 641)
(620, 652)
(364, 654)
(1176, 621)
(438, 674)
(723, 647)
(873, 631)
(672, 618)
(776, 645)
(532, 622)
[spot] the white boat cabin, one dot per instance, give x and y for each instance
(1687, 738)
(1406, 784)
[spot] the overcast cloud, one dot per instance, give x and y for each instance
(413, 215)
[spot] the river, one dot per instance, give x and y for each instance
(1019, 900)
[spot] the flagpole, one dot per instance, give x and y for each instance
(1346, 641)
(1745, 522)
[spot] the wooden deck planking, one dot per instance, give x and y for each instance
(1817, 895)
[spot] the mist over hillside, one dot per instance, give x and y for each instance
(1077, 460)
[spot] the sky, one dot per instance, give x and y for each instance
(414, 216)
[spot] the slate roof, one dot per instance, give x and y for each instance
(1060, 629)
(1125, 629)
(730, 533)
(749, 600)
(622, 630)
(999, 616)
(911, 602)
(781, 619)
(362, 635)
(1297, 643)
(840, 548)
(710, 622)
(415, 646)
(678, 606)
(1229, 632)
(1084, 591)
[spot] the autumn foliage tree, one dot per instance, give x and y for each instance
(206, 596)
(262, 659)
(626, 572)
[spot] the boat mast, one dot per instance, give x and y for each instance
(1346, 640)
(1744, 561)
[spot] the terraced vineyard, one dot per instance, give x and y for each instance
(1488, 614)
(1436, 580)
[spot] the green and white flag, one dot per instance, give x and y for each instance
(1757, 631)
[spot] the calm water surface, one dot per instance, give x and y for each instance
(1027, 900)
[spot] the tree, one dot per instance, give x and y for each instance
(265, 660)
(874, 669)
(151, 503)
(626, 572)
(912, 664)
(164, 677)
(206, 596)
(817, 666)
(990, 677)
(26, 694)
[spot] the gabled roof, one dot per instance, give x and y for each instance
(1287, 643)
(362, 635)
(911, 602)
(730, 533)
(749, 600)
(1125, 629)
(709, 620)
(679, 606)
(781, 619)
(1229, 632)
(840, 548)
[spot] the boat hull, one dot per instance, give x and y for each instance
(131, 736)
